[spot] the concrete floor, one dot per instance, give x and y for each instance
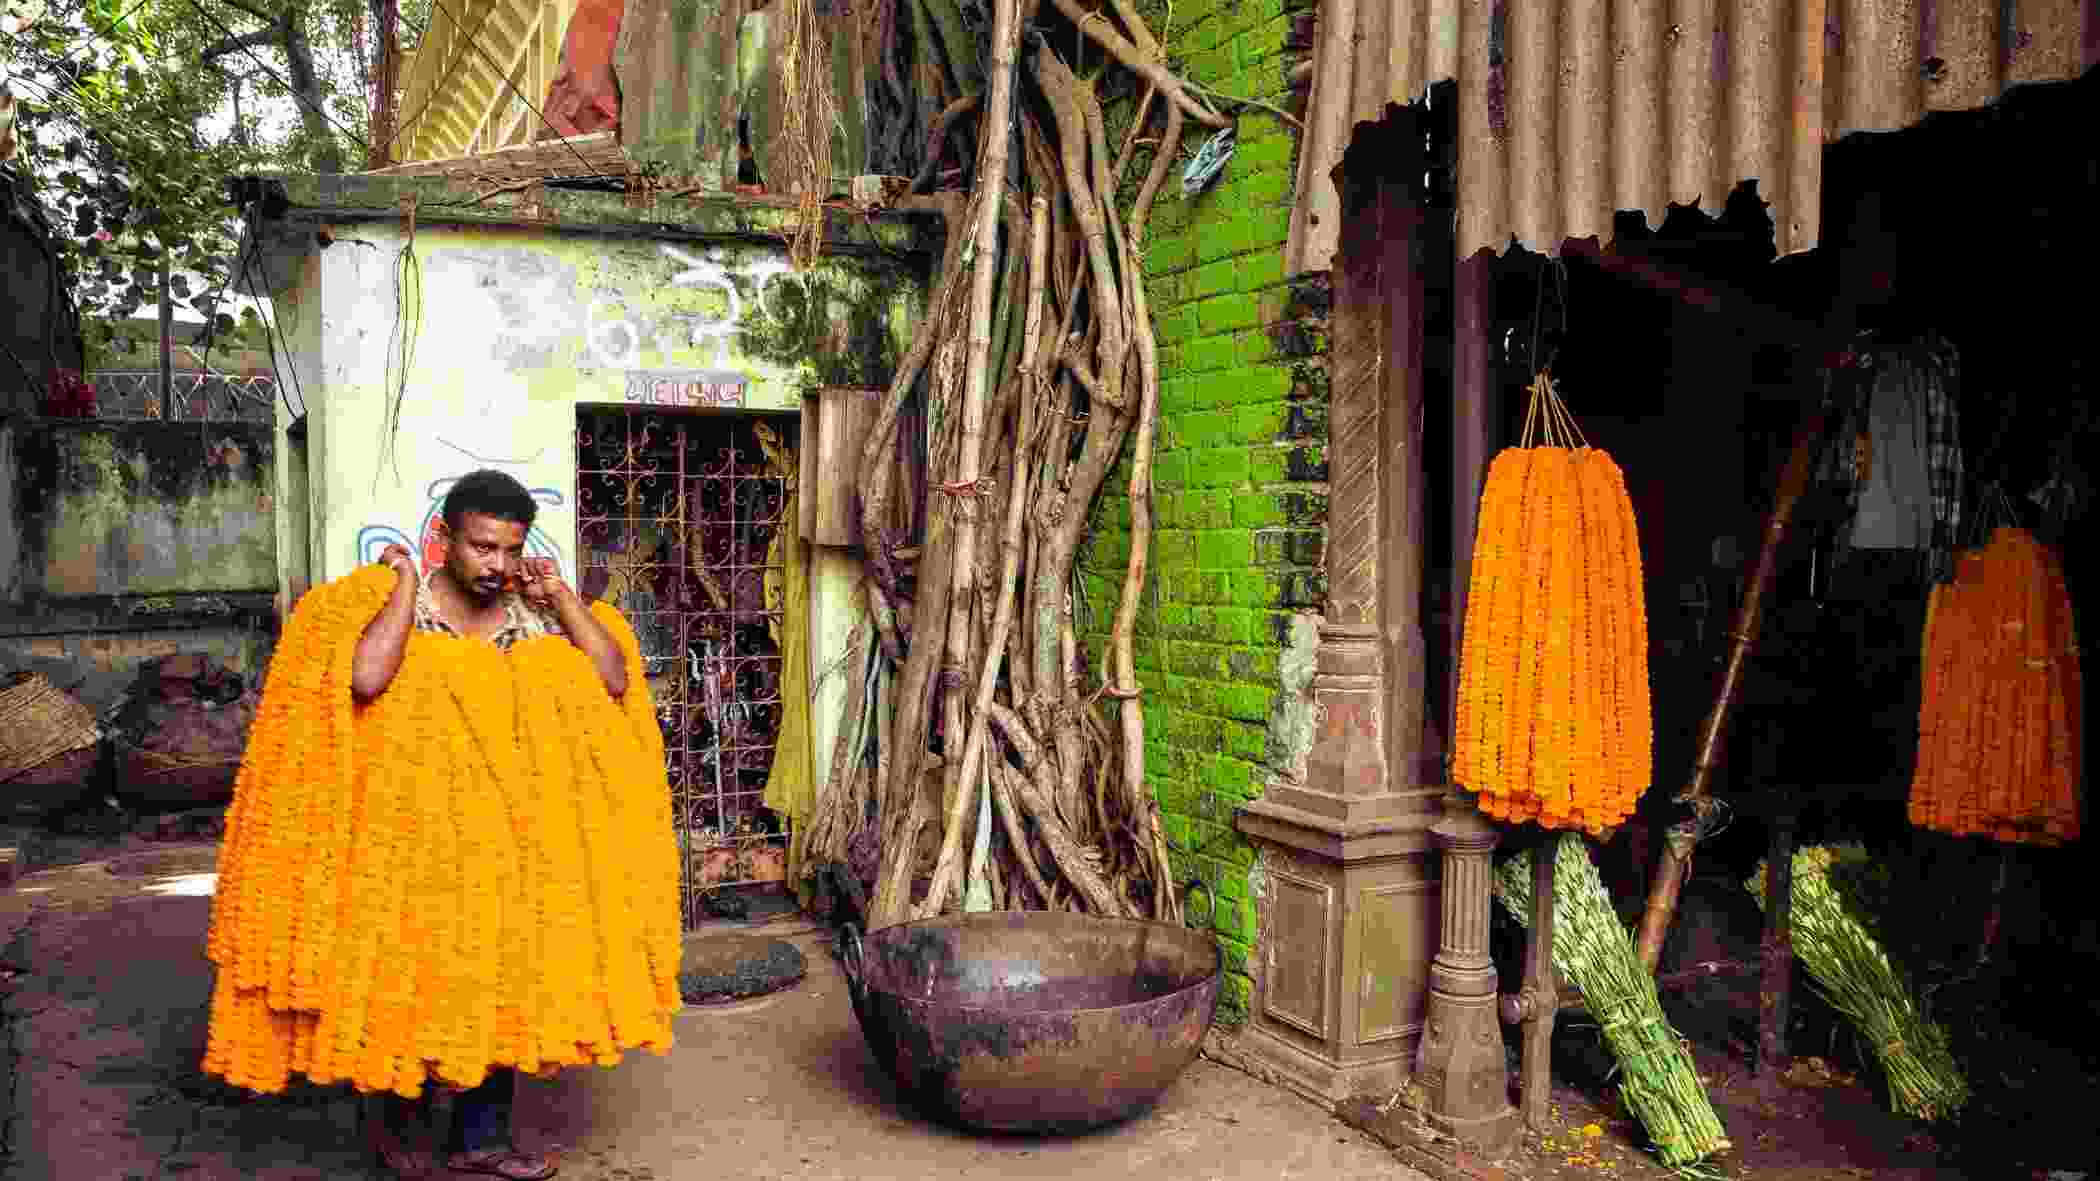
(105, 988)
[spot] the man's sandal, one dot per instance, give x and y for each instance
(507, 1163)
(397, 1157)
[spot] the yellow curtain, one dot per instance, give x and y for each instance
(790, 788)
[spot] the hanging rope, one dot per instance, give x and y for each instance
(807, 113)
(408, 328)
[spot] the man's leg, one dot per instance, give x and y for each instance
(399, 1133)
(481, 1132)
(481, 1117)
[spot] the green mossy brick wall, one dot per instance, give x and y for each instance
(1239, 492)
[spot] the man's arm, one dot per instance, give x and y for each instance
(379, 650)
(545, 588)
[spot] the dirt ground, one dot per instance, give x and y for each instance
(104, 989)
(2030, 1115)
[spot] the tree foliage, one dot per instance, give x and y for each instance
(133, 114)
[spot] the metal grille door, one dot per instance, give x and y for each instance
(677, 514)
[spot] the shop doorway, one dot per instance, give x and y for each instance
(677, 518)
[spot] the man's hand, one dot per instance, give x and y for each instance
(543, 587)
(399, 560)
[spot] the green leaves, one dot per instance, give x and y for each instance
(127, 127)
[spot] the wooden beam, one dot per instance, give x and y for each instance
(454, 133)
(446, 88)
(1632, 262)
(515, 67)
(554, 22)
(518, 128)
(509, 29)
(425, 62)
(498, 111)
(478, 83)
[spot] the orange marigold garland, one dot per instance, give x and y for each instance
(1477, 728)
(476, 870)
(1999, 728)
(1636, 729)
(1553, 719)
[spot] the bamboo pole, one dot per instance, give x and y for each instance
(1670, 872)
(1662, 892)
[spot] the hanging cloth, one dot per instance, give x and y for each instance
(1941, 373)
(1895, 458)
(790, 788)
(1893, 508)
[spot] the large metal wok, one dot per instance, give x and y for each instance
(1029, 1021)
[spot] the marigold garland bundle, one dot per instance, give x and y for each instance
(2000, 712)
(1553, 720)
(476, 870)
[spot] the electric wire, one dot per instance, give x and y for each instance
(272, 333)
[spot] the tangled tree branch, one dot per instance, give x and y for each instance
(1034, 369)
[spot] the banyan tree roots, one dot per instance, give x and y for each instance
(1033, 373)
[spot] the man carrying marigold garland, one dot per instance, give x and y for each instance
(450, 855)
(486, 589)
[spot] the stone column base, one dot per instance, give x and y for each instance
(1349, 928)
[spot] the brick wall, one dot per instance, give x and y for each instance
(1239, 501)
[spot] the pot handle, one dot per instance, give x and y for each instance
(850, 952)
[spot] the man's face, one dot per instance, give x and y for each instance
(486, 552)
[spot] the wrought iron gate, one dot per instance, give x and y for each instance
(676, 516)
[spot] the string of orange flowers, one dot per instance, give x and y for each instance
(1553, 721)
(1999, 735)
(475, 870)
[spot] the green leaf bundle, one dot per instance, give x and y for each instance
(1659, 1082)
(1854, 973)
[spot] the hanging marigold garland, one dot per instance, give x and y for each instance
(1999, 737)
(475, 870)
(1552, 719)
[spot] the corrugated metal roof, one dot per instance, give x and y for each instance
(1570, 110)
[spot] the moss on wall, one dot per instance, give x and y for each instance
(144, 508)
(1239, 482)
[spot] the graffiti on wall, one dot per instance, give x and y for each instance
(429, 540)
(615, 334)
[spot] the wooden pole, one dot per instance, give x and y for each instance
(167, 343)
(1540, 989)
(1775, 991)
(1460, 1059)
(1472, 439)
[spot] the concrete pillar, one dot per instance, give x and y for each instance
(1351, 915)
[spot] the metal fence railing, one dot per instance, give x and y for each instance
(135, 395)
